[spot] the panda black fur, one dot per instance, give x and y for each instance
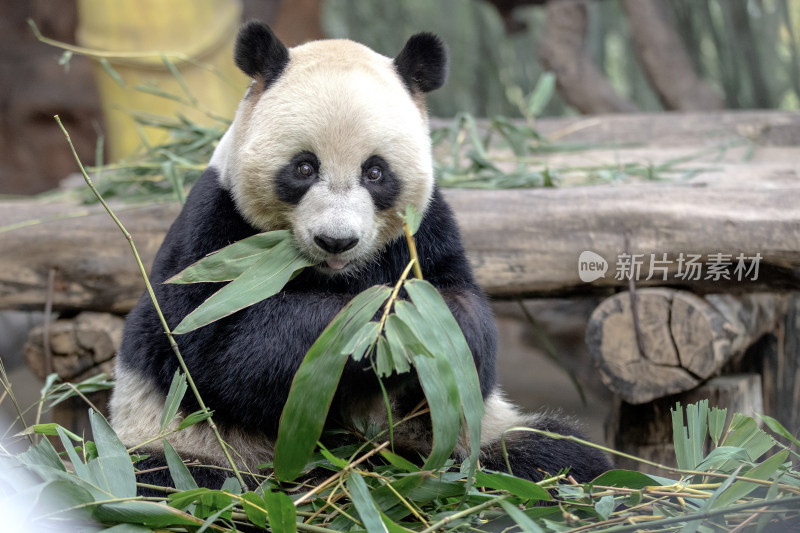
(331, 140)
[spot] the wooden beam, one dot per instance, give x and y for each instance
(522, 243)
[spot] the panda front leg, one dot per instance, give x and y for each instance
(531, 455)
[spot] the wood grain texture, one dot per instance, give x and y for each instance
(684, 338)
(521, 242)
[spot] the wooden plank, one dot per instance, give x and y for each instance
(521, 242)
(528, 242)
(95, 269)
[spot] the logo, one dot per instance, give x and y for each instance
(591, 266)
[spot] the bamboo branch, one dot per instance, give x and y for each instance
(173, 344)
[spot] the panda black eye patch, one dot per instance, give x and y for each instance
(296, 177)
(381, 183)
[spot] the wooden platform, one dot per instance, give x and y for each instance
(741, 194)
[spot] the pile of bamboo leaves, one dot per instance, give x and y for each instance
(731, 475)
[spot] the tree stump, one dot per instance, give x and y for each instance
(674, 340)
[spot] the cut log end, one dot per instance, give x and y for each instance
(682, 339)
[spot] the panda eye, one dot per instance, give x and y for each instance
(374, 173)
(305, 170)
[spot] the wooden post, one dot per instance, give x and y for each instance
(646, 430)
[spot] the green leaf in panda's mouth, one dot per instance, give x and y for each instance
(259, 266)
(230, 262)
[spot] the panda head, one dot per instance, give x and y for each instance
(331, 141)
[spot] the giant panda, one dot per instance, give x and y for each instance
(330, 141)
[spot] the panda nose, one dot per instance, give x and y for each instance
(335, 246)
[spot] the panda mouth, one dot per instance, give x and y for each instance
(336, 263)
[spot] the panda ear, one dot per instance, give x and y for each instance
(259, 54)
(422, 63)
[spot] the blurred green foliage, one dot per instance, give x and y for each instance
(748, 49)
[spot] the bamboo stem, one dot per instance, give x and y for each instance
(412, 249)
(322, 486)
(172, 343)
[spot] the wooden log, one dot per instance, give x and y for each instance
(79, 347)
(776, 358)
(682, 339)
(95, 269)
(645, 430)
(666, 130)
(522, 243)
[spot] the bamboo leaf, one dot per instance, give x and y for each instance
(367, 510)
(542, 94)
(48, 385)
(719, 457)
(386, 496)
(625, 478)
(521, 488)
(764, 471)
(399, 462)
(182, 500)
(81, 470)
(112, 470)
(403, 343)
(689, 440)
(232, 485)
(335, 461)
(180, 474)
(179, 78)
(383, 358)
(432, 306)
(230, 262)
(174, 397)
(604, 506)
(745, 433)
(778, 428)
(526, 524)
(92, 384)
(716, 423)
(358, 344)
(223, 512)
(145, 513)
(263, 279)
(127, 528)
(413, 218)
(281, 511)
(255, 508)
(315, 384)
(392, 526)
(194, 418)
(697, 423)
(113, 74)
(47, 429)
(441, 390)
(214, 504)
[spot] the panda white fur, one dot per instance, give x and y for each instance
(331, 140)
